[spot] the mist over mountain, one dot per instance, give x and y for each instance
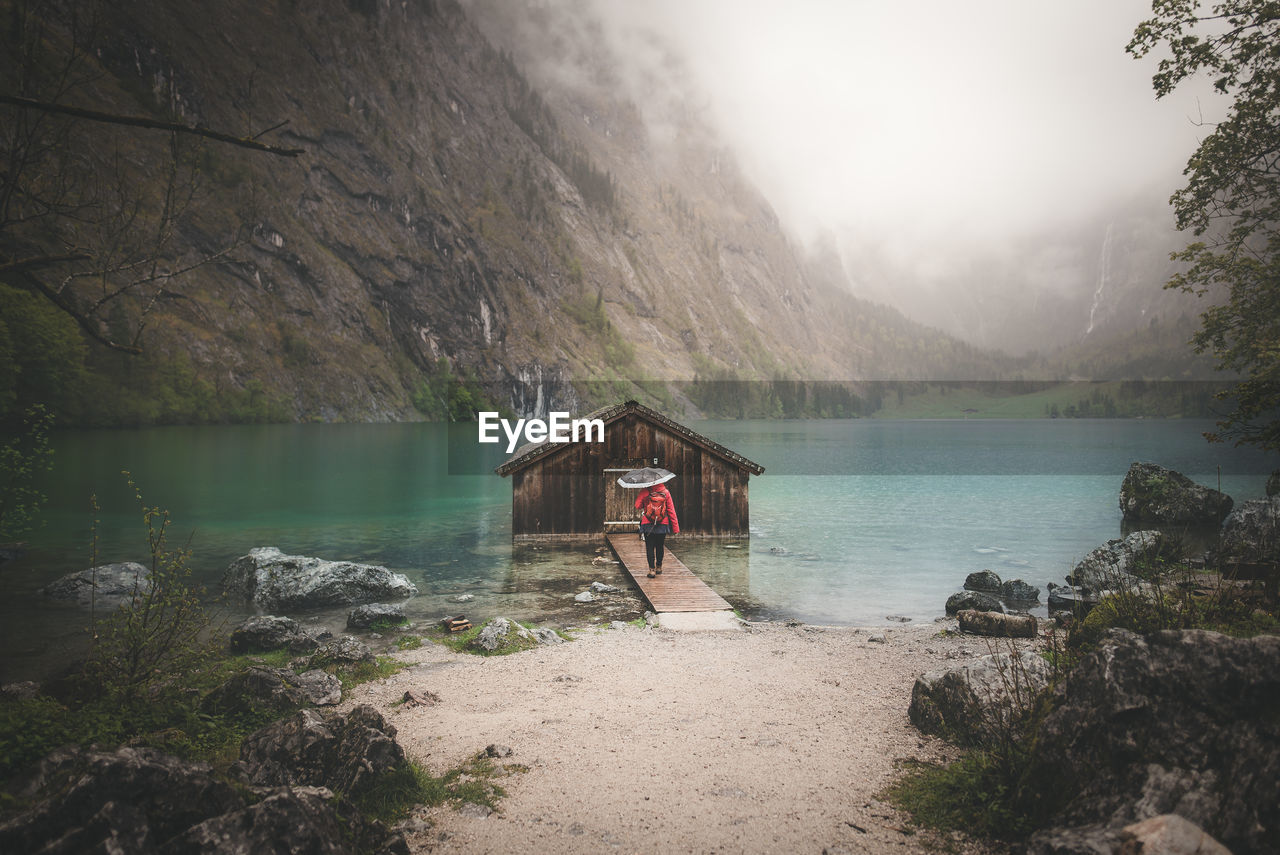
(517, 198)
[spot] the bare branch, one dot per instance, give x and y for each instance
(143, 122)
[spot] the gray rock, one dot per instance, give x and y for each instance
(899, 618)
(1169, 834)
(972, 600)
(969, 703)
(270, 632)
(121, 801)
(984, 580)
(496, 750)
(257, 689)
(1177, 722)
(346, 650)
(1252, 532)
(878, 638)
(107, 586)
(464, 598)
(322, 688)
(300, 819)
(501, 632)
(1019, 591)
(602, 588)
(1112, 565)
(273, 580)
(546, 635)
(585, 597)
(385, 614)
(1154, 494)
(997, 624)
(345, 753)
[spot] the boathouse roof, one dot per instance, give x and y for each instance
(532, 452)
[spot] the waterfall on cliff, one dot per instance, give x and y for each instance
(1104, 275)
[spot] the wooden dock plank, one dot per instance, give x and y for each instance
(676, 590)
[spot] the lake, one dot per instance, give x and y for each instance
(852, 521)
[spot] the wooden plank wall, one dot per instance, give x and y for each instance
(563, 493)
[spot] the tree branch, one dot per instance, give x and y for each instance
(143, 122)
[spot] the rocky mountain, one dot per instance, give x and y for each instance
(462, 216)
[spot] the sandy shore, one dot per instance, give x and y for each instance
(774, 738)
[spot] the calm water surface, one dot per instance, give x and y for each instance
(853, 521)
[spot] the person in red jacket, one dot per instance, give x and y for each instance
(657, 520)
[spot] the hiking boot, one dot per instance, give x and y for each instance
(658, 570)
(651, 574)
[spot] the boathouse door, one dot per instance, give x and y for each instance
(619, 502)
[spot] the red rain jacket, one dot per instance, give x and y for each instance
(661, 490)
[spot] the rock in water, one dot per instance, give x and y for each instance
(1177, 722)
(383, 614)
(273, 580)
(984, 580)
(107, 586)
(972, 600)
(1154, 494)
(1018, 591)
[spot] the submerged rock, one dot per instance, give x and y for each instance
(1153, 494)
(273, 580)
(107, 586)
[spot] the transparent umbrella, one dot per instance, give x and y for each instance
(646, 477)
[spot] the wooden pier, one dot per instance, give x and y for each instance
(676, 590)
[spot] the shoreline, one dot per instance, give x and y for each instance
(772, 737)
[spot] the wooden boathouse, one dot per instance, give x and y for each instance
(570, 490)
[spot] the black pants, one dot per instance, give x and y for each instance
(653, 545)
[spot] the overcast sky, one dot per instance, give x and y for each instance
(961, 119)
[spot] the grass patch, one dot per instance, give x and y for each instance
(398, 792)
(972, 795)
(461, 642)
(366, 672)
(409, 642)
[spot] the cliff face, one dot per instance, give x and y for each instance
(454, 214)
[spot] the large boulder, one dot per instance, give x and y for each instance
(345, 650)
(298, 819)
(502, 635)
(1018, 591)
(271, 632)
(1178, 722)
(1252, 532)
(129, 800)
(107, 586)
(256, 690)
(275, 581)
(1156, 495)
(345, 753)
(968, 702)
(1116, 564)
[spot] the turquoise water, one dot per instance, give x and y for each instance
(853, 521)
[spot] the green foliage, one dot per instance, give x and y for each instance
(590, 314)
(23, 457)
(443, 395)
(1232, 196)
(163, 631)
(42, 355)
(979, 794)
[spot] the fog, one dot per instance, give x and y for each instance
(959, 121)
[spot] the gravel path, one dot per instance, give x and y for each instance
(774, 738)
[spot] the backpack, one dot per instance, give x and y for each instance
(655, 508)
